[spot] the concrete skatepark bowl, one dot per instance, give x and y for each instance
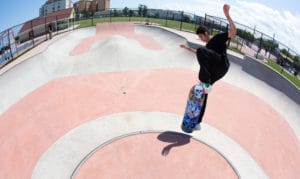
(107, 102)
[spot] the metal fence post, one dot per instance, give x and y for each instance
(212, 27)
(129, 15)
(46, 27)
(260, 45)
(227, 27)
(8, 38)
(167, 17)
(110, 15)
(272, 45)
(195, 22)
(181, 20)
(31, 33)
(56, 25)
(243, 39)
(288, 52)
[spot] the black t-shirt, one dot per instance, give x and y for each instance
(213, 59)
(218, 43)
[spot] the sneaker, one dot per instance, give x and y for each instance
(207, 88)
(197, 127)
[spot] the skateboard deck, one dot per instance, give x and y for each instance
(193, 107)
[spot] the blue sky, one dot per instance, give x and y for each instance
(270, 16)
(281, 5)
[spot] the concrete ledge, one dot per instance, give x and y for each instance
(263, 72)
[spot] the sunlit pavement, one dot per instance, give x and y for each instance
(107, 102)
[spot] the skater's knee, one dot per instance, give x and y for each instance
(207, 87)
(204, 88)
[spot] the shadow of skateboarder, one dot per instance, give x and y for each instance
(176, 139)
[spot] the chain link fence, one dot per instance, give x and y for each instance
(251, 42)
(248, 41)
(17, 40)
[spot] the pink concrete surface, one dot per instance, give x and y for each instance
(33, 124)
(258, 128)
(105, 30)
(144, 156)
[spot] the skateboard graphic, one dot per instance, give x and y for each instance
(194, 106)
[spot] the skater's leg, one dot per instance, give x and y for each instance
(204, 75)
(220, 70)
(213, 66)
(203, 108)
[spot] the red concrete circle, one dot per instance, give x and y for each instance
(154, 155)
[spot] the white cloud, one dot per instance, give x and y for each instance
(200, 7)
(285, 25)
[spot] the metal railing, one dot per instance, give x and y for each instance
(17, 40)
(249, 41)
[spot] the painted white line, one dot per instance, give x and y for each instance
(63, 158)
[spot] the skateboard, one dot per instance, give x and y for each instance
(194, 106)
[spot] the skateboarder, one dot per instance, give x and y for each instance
(213, 57)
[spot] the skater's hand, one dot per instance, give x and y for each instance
(183, 46)
(232, 32)
(188, 48)
(226, 8)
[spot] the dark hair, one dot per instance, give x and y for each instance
(201, 30)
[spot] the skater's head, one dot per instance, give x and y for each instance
(203, 33)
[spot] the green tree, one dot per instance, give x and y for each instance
(142, 10)
(115, 13)
(145, 11)
(131, 13)
(186, 18)
(286, 53)
(85, 13)
(269, 45)
(126, 11)
(296, 63)
(246, 35)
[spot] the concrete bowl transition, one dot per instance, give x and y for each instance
(107, 102)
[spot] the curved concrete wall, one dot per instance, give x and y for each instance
(271, 77)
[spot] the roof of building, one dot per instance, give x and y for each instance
(51, 1)
(82, 1)
(62, 14)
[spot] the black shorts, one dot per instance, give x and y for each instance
(213, 66)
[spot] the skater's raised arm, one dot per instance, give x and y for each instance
(188, 48)
(232, 30)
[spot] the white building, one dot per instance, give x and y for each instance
(55, 5)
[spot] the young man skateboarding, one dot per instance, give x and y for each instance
(213, 57)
